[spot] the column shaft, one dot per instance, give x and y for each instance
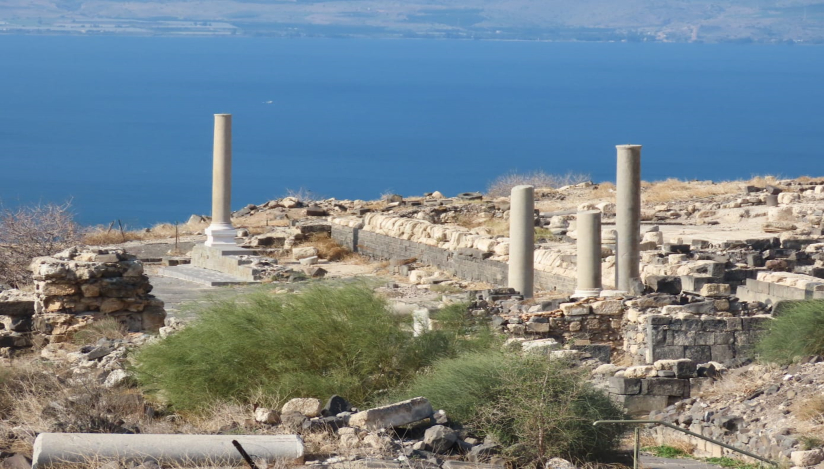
(222, 171)
(628, 216)
(589, 253)
(522, 240)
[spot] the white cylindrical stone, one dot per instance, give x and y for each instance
(220, 232)
(589, 254)
(522, 239)
(628, 216)
(67, 448)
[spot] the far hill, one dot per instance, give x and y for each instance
(769, 21)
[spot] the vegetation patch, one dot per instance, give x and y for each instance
(319, 342)
(536, 408)
(796, 331)
(666, 451)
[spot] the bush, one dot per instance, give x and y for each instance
(29, 232)
(796, 331)
(320, 342)
(536, 407)
(502, 185)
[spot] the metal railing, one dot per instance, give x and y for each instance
(636, 449)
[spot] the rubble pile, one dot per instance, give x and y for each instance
(74, 288)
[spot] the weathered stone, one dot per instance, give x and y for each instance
(309, 407)
(393, 415)
(807, 458)
(440, 438)
(715, 289)
(608, 307)
(304, 252)
(575, 309)
(267, 416)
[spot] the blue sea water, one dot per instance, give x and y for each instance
(123, 125)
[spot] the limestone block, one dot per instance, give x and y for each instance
(309, 407)
(608, 307)
(57, 289)
(304, 252)
(715, 289)
(541, 346)
(639, 372)
(656, 237)
(575, 309)
(807, 458)
(789, 197)
(393, 415)
(683, 368)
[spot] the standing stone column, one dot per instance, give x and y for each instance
(221, 233)
(589, 254)
(522, 239)
(628, 216)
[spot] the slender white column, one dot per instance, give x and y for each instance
(221, 233)
(522, 239)
(589, 254)
(628, 216)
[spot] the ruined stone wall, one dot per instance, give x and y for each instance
(466, 263)
(75, 288)
(656, 337)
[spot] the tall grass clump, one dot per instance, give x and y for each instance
(796, 331)
(319, 342)
(502, 185)
(537, 408)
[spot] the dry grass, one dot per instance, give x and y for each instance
(810, 410)
(107, 235)
(678, 190)
(106, 328)
(502, 185)
(327, 247)
(740, 382)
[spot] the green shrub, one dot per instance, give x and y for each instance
(538, 408)
(319, 342)
(796, 331)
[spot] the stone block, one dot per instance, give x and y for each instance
(681, 337)
(393, 415)
(683, 368)
(618, 385)
(664, 387)
(664, 284)
(698, 353)
(636, 405)
(669, 352)
(575, 309)
(722, 353)
(537, 327)
(608, 307)
(715, 289)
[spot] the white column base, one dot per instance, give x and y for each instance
(591, 293)
(220, 236)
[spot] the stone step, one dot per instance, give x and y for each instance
(211, 278)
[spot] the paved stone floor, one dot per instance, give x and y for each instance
(652, 462)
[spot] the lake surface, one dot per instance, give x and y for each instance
(123, 125)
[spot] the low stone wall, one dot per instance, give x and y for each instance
(75, 288)
(719, 339)
(772, 287)
(466, 263)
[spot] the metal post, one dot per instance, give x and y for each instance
(637, 449)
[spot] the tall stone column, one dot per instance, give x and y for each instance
(589, 254)
(628, 216)
(522, 239)
(220, 233)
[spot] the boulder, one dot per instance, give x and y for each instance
(440, 438)
(309, 406)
